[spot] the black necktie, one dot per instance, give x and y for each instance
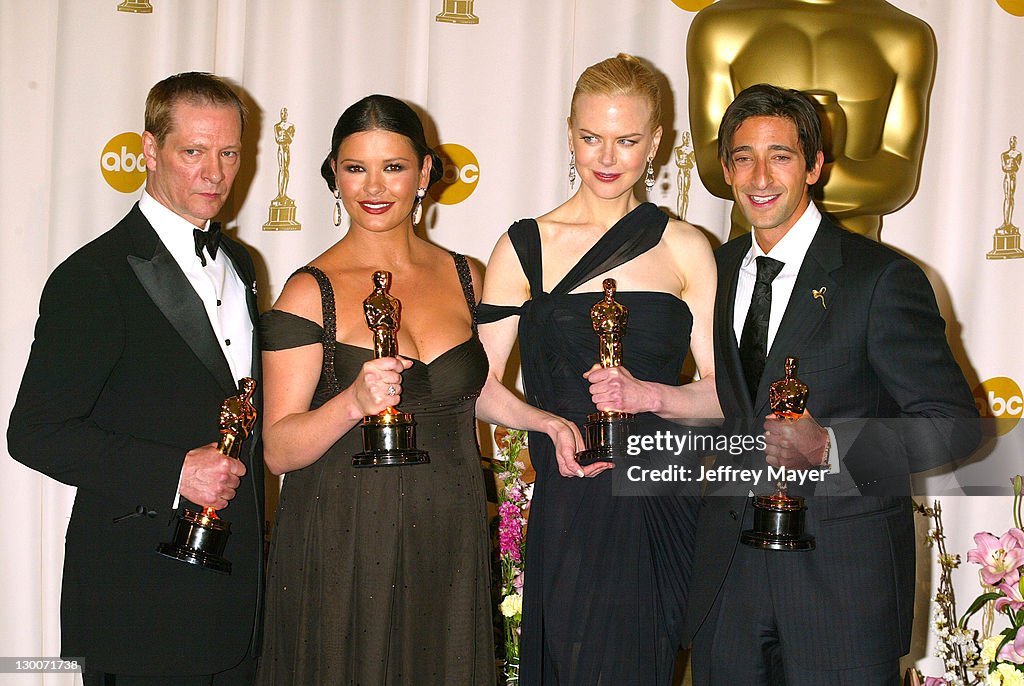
(208, 239)
(754, 339)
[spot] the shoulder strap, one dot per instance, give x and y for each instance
(525, 237)
(330, 325)
(466, 279)
(631, 236)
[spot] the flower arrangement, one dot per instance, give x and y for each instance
(515, 490)
(999, 660)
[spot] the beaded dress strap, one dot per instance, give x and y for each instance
(466, 279)
(330, 326)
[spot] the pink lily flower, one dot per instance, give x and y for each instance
(1011, 596)
(1014, 650)
(1000, 558)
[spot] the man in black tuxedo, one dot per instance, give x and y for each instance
(886, 399)
(142, 334)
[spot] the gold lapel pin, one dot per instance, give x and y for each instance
(819, 294)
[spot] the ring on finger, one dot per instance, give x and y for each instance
(391, 389)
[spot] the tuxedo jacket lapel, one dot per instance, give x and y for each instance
(171, 292)
(804, 313)
(728, 354)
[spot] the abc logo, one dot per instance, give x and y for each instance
(692, 5)
(122, 162)
(1014, 7)
(1000, 398)
(461, 172)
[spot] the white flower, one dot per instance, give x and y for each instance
(512, 605)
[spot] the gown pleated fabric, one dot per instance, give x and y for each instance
(606, 575)
(381, 575)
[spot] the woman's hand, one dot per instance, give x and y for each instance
(378, 385)
(615, 389)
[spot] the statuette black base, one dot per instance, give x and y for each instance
(606, 435)
(778, 524)
(199, 540)
(389, 440)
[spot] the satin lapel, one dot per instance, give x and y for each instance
(728, 361)
(804, 313)
(174, 296)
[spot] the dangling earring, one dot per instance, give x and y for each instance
(572, 169)
(649, 181)
(337, 207)
(417, 212)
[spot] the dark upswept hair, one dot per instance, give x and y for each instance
(766, 100)
(196, 88)
(384, 113)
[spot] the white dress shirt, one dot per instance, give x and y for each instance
(217, 284)
(791, 251)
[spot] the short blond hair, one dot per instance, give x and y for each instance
(623, 74)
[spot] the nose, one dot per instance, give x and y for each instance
(607, 155)
(762, 175)
(213, 169)
(374, 184)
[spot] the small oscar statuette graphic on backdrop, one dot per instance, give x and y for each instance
(458, 12)
(779, 517)
(1006, 241)
(389, 438)
(200, 537)
(685, 163)
(136, 7)
(282, 208)
(607, 430)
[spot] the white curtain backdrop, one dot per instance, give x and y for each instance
(75, 74)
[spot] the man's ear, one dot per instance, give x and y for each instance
(149, 148)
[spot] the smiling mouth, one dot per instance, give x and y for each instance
(376, 207)
(762, 200)
(606, 177)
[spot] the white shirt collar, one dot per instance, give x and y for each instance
(793, 246)
(175, 232)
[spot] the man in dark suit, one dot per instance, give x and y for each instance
(142, 334)
(886, 399)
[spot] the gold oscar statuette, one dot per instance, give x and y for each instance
(1006, 241)
(282, 208)
(389, 438)
(607, 431)
(135, 7)
(779, 517)
(200, 537)
(685, 164)
(458, 12)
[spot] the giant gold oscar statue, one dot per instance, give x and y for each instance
(869, 65)
(1006, 241)
(282, 208)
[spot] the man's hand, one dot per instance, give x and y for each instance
(208, 478)
(795, 443)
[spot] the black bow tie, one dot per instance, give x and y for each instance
(208, 239)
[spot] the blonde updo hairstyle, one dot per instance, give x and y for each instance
(623, 74)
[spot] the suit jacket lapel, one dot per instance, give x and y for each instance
(172, 293)
(804, 313)
(729, 367)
